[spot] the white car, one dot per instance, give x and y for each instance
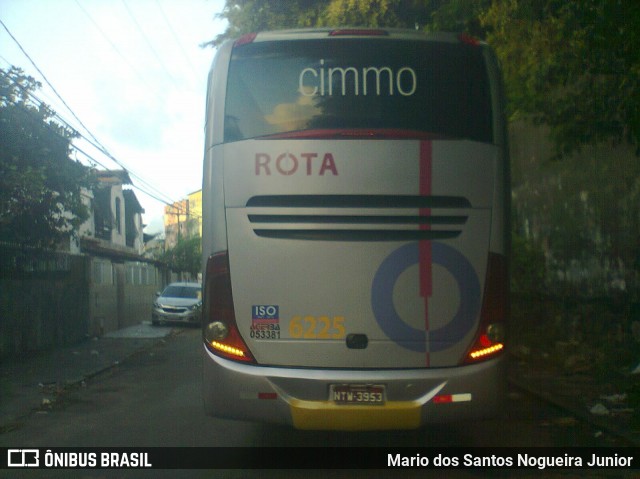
(179, 302)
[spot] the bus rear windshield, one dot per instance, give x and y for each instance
(424, 87)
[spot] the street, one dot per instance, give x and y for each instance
(154, 399)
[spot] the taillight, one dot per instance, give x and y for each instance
(220, 331)
(489, 341)
(244, 39)
(469, 40)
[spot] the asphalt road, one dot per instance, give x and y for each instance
(154, 399)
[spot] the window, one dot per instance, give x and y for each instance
(102, 272)
(118, 216)
(426, 87)
(138, 273)
(175, 291)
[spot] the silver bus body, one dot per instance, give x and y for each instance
(355, 230)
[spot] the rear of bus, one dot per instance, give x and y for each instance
(355, 208)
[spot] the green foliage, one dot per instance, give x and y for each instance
(40, 186)
(527, 267)
(373, 13)
(246, 16)
(186, 256)
(573, 66)
(458, 16)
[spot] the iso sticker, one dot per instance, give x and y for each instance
(265, 313)
(265, 321)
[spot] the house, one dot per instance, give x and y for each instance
(134, 234)
(123, 282)
(115, 214)
(96, 283)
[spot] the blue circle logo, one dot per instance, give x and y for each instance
(390, 321)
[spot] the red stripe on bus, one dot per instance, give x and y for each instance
(426, 286)
(425, 246)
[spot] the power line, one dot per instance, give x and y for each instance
(46, 79)
(175, 37)
(38, 102)
(149, 44)
(106, 37)
(97, 143)
(101, 147)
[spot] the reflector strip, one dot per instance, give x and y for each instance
(267, 396)
(449, 398)
(254, 395)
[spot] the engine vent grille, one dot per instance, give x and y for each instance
(357, 217)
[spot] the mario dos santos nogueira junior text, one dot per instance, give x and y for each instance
(516, 460)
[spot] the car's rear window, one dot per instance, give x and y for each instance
(190, 292)
(296, 85)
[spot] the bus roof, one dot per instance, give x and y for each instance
(356, 32)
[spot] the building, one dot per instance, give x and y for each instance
(96, 283)
(115, 215)
(195, 210)
(123, 281)
(175, 223)
(183, 219)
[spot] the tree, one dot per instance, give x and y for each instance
(458, 16)
(246, 16)
(185, 256)
(373, 13)
(573, 66)
(40, 186)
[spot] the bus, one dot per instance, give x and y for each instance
(355, 230)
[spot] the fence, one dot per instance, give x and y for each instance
(50, 299)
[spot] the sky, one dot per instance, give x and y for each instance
(134, 73)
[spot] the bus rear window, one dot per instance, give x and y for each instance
(424, 87)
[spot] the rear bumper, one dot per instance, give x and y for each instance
(300, 397)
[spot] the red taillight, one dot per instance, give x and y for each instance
(244, 39)
(468, 40)
(489, 341)
(220, 331)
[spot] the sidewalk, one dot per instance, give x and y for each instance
(30, 382)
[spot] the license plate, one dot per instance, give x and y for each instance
(373, 395)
